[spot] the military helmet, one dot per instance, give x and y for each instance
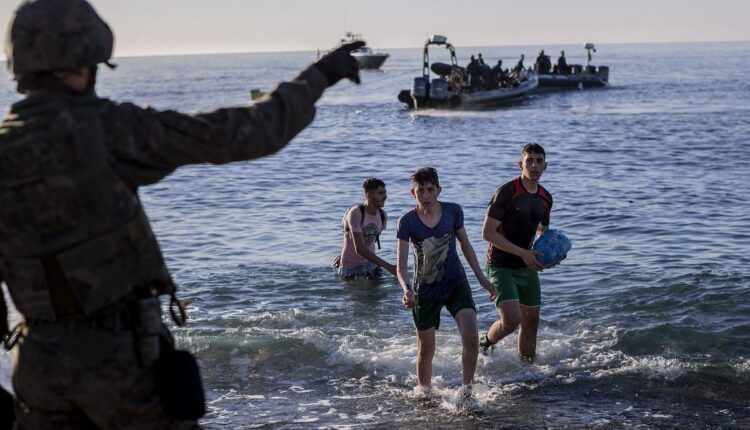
(56, 35)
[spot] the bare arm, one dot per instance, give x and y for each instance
(492, 233)
(471, 257)
(402, 258)
(364, 252)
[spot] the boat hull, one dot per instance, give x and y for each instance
(370, 61)
(473, 100)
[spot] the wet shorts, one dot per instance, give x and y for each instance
(369, 270)
(426, 313)
(516, 284)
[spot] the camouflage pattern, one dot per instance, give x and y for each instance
(78, 376)
(56, 35)
(70, 168)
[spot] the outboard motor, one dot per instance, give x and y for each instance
(604, 73)
(420, 87)
(439, 89)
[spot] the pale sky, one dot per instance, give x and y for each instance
(152, 27)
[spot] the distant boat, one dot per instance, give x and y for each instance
(575, 75)
(367, 58)
(450, 90)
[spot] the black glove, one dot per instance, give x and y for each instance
(338, 64)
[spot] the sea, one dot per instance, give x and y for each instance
(645, 325)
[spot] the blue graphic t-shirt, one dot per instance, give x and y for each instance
(437, 270)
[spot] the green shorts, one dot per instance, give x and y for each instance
(426, 313)
(516, 284)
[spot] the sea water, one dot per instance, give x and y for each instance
(646, 324)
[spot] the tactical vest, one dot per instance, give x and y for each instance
(62, 204)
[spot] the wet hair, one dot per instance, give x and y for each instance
(534, 148)
(423, 175)
(372, 184)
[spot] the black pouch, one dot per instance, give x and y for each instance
(179, 382)
(7, 414)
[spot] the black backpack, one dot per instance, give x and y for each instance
(345, 228)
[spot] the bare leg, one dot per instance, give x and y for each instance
(510, 317)
(466, 320)
(527, 335)
(425, 352)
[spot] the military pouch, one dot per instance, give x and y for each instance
(148, 317)
(178, 381)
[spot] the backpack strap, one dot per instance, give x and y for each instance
(361, 208)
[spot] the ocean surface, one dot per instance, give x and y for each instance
(645, 325)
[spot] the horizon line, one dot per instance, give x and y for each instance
(288, 51)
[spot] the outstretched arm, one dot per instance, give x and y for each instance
(146, 145)
(364, 252)
(471, 257)
(492, 233)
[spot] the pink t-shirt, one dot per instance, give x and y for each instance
(370, 227)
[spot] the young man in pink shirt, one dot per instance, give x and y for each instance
(362, 227)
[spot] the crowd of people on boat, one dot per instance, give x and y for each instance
(479, 76)
(543, 65)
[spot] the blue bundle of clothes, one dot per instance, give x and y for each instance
(554, 247)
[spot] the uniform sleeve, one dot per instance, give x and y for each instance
(149, 144)
(4, 328)
(402, 230)
(353, 220)
(545, 219)
(500, 201)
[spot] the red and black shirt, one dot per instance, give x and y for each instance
(520, 213)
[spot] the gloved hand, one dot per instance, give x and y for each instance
(339, 64)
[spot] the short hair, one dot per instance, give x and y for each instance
(372, 184)
(532, 147)
(425, 174)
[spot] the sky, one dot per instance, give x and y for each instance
(159, 27)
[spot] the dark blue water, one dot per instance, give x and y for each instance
(646, 324)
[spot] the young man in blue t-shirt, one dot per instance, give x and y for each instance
(439, 278)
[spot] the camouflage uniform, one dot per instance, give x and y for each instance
(76, 250)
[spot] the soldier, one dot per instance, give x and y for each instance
(76, 250)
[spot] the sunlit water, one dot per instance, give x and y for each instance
(647, 323)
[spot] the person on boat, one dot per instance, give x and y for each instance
(484, 74)
(77, 251)
(562, 64)
(499, 75)
(542, 63)
(519, 66)
(472, 69)
(519, 210)
(362, 226)
(432, 228)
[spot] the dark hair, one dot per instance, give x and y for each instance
(425, 174)
(372, 184)
(532, 147)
